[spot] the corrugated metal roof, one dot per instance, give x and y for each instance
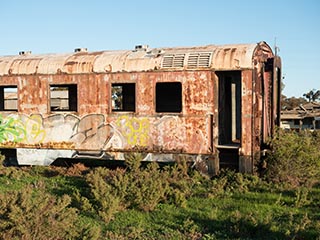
(217, 57)
(311, 109)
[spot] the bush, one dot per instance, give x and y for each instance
(147, 188)
(295, 158)
(26, 214)
(134, 187)
(141, 188)
(107, 197)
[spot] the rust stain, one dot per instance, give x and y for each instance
(49, 145)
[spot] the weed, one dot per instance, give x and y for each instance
(301, 198)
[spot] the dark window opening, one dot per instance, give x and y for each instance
(169, 97)
(8, 98)
(296, 121)
(123, 96)
(63, 98)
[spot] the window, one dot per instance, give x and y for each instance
(123, 96)
(169, 97)
(296, 121)
(63, 97)
(9, 98)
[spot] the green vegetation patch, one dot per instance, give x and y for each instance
(150, 202)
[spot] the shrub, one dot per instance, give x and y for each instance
(106, 197)
(295, 158)
(182, 181)
(138, 187)
(25, 214)
(147, 188)
(116, 190)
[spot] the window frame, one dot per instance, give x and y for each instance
(161, 106)
(72, 102)
(127, 104)
(3, 98)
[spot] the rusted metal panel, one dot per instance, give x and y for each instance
(25, 66)
(80, 63)
(210, 57)
(145, 89)
(257, 109)
(137, 61)
(93, 94)
(196, 91)
(110, 61)
(5, 64)
(247, 113)
(96, 127)
(229, 57)
(52, 63)
(32, 94)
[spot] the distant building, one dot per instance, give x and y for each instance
(306, 116)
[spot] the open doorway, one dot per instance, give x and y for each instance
(229, 108)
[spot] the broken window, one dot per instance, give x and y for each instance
(123, 96)
(169, 97)
(9, 98)
(63, 97)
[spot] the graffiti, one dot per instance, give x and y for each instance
(96, 132)
(21, 129)
(97, 136)
(135, 130)
(92, 132)
(11, 130)
(34, 130)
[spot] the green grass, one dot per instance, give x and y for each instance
(191, 206)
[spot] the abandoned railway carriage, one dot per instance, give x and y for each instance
(216, 105)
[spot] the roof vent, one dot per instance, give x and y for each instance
(23, 53)
(199, 59)
(80, 50)
(141, 47)
(173, 60)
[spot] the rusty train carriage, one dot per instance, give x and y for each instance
(217, 105)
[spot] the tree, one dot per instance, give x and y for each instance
(292, 102)
(312, 95)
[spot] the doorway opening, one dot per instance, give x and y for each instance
(229, 108)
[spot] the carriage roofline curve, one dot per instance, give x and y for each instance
(142, 58)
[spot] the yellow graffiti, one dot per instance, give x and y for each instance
(34, 130)
(135, 130)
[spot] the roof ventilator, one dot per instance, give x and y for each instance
(199, 59)
(173, 60)
(77, 50)
(141, 47)
(24, 53)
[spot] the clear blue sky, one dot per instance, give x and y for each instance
(59, 26)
